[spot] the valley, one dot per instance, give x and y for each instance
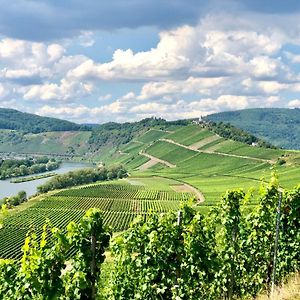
(158, 159)
(169, 166)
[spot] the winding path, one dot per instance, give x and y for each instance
(213, 152)
(153, 161)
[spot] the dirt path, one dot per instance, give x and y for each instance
(204, 142)
(148, 164)
(212, 152)
(153, 161)
(188, 188)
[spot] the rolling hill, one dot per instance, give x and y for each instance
(167, 162)
(279, 126)
(205, 160)
(30, 123)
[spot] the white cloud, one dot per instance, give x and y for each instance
(294, 103)
(55, 52)
(264, 66)
(2, 91)
(191, 85)
(64, 91)
(272, 87)
(225, 63)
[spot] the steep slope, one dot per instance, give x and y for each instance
(16, 120)
(280, 126)
(54, 142)
(205, 160)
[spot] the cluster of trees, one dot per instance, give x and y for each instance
(20, 167)
(121, 133)
(16, 120)
(12, 201)
(229, 131)
(82, 176)
(227, 254)
(279, 126)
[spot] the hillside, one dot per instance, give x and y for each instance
(54, 142)
(16, 120)
(279, 126)
(96, 142)
(168, 164)
(199, 157)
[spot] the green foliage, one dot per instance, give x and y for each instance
(83, 176)
(233, 254)
(90, 239)
(21, 167)
(279, 126)
(115, 134)
(228, 277)
(227, 254)
(170, 152)
(13, 119)
(45, 273)
(229, 131)
(120, 203)
(15, 200)
(289, 254)
(190, 134)
(164, 259)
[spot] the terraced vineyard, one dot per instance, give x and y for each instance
(120, 204)
(201, 159)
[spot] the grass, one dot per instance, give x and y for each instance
(120, 201)
(30, 178)
(189, 135)
(169, 152)
(152, 135)
(287, 291)
(242, 149)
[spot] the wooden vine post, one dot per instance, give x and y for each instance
(276, 241)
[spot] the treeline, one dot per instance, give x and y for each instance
(13, 201)
(16, 120)
(229, 131)
(227, 254)
(121, 133)
(83, 176)
(21, 167)
(279, 126)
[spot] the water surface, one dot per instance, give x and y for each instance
(10, 189)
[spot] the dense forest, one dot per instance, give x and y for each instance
(279, 126)
(16, 120)
(82, 176)
(229, 131)
(121, 133)
(20, 167)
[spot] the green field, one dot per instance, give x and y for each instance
(189, 135)
(218, 165)
(151, 136)
(120, 202)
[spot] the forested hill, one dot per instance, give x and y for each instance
(279, 126)
(16, 120)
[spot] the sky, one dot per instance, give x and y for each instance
(124, 60)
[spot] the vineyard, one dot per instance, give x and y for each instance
(227, 254)
(120, 204)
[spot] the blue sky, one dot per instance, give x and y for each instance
(124, 60)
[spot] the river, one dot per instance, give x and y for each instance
(10, 189)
